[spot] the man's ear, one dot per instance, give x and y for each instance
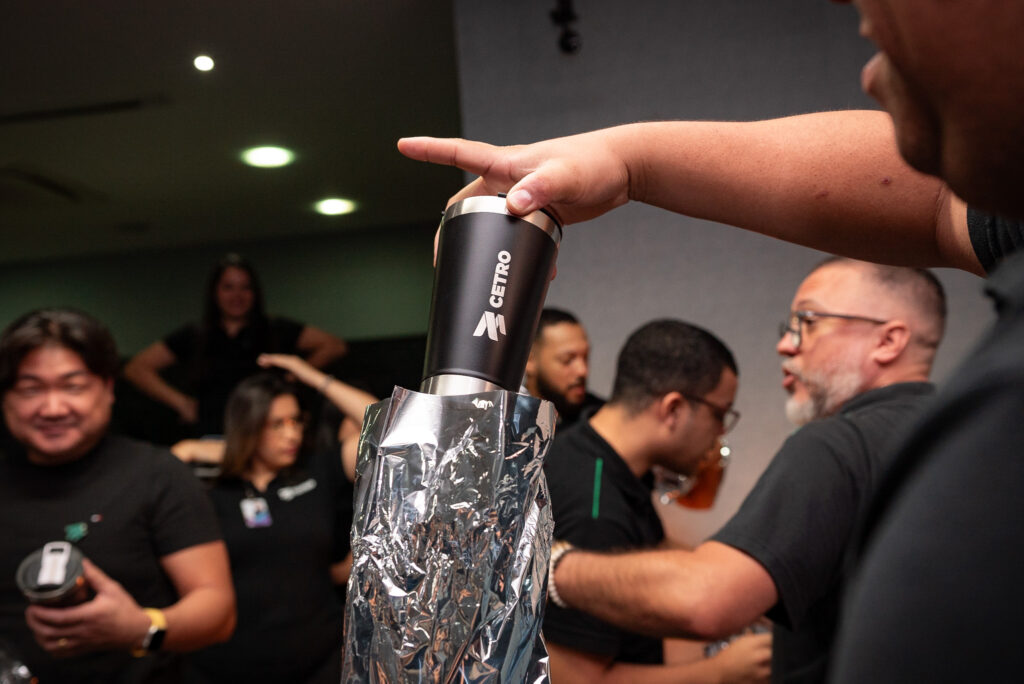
(670, 408)
(893, 340)
(109, 389)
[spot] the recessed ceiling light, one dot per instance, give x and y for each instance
(335, 206)
(268, 156)
(203, 63)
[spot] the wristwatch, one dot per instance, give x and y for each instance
(154, 637)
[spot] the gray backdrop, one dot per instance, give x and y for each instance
(697, 59)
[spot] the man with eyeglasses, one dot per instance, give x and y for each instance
(671, 401)
(857, 350)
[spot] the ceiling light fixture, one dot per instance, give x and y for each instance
(268, 157)
(335, 206)
(203, 63)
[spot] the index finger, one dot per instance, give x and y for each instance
(469, 155)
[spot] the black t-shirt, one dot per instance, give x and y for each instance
(598, 504)
(289, 616)
(590, 404)
(126, 505)
(798, 520)
(938, 592)
(213, 364)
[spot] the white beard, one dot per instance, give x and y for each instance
(827, 390)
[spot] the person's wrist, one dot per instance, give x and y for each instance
(326, 382)
(559, 550)
(153, 637)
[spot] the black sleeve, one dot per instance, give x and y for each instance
(182, 514)
(284, 337)
(993, 237)
(183, 342)
(797, 520)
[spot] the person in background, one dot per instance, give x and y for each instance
(154, 555)
(286, 523)
(933, 599)
(222, 349)
(857, 348)
(559, 364)
(671, 401)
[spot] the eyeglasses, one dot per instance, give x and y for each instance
(797, 319)
(728, 417)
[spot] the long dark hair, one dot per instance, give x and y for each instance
(211, 311)
(245, 418)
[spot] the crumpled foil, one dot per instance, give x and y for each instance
(451, 539)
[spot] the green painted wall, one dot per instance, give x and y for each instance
(368, 284)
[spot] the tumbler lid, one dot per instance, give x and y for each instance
(495, 204)
(49, 573)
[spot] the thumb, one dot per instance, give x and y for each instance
(544, 188)
(100, 582)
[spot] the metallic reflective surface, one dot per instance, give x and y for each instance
(495, 204)
(456, 384)
(451, 539)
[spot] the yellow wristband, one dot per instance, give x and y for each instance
(154, 635)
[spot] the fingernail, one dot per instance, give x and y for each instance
(520, 200)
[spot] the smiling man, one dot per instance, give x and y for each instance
(154, 560)
(857, 349)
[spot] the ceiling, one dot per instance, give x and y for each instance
(110, 139)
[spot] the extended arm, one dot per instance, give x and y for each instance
(833, 181)
(143, 371)
(709, 593)
(352, 402)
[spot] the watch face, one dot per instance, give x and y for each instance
(156, 639)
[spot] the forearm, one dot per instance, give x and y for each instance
(204, 616)
(833, 181)
(150, 383)
(631, 590)
(350, 401)
(708, 593)
(698, 672)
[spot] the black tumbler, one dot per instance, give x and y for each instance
(52, 576)
(490, 279)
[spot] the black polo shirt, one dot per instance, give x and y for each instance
(799, 519)
(598, 504)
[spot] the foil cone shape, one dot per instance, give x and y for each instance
(451, 540)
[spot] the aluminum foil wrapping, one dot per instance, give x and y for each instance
(451, 539)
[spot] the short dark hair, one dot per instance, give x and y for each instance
(551, 316)
(244, 418)
(57, 327)
(665, 356)
(211, 311)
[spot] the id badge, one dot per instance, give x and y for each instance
(256, 512)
